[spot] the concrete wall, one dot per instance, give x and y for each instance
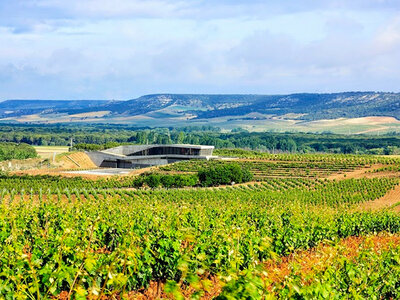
(105, 160)
(98, 157)
(206, 152)
(125, 150)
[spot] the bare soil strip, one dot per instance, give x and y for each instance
(358, 173)
(390, 199)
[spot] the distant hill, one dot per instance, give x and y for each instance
(179, 102)
(191, 106)
(15, 108)
(319, 106)
(310, 106)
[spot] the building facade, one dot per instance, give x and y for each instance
(141, 156)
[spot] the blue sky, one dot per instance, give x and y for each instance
(121, 49)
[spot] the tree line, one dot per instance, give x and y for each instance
(16, 151)
(98, 137)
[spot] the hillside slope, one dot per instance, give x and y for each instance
(191, 106)
(10, 108)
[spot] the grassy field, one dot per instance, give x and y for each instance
(48, 151)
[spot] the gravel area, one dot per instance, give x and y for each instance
(104, 172)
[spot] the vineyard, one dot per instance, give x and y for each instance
(290, 235)
(334, 158)
(45, 182)
(268, 169)
(265, 165)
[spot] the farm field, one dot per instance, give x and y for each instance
(48, 151)
(364, 125)
(264, 165)
(297, 231)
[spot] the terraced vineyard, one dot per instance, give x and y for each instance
(273, 191)
(76, 238)
(334, 158)
(265, 165)
(269, 169)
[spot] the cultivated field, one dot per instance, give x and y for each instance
(309, 226)
(253, 122)
(49, 151)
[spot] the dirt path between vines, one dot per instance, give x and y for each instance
(325, 255)
(277, 270)
(390, 199)
(358, 173)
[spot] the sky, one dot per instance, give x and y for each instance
(122, 49)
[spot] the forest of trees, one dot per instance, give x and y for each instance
(16, 151)
(97, 137)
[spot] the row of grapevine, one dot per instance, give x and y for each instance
(36, 183)
(95, 242)
(337, 158)
(270, 169)
(353, 268)
(305, 191)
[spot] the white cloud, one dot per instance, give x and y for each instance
(122, 49)
(388, 37)
(116, 8)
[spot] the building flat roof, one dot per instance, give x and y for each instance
(179, 146)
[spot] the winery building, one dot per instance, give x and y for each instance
(141, 156)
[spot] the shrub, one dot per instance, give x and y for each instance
(154, 180)
(224, 174)
(16, 151)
